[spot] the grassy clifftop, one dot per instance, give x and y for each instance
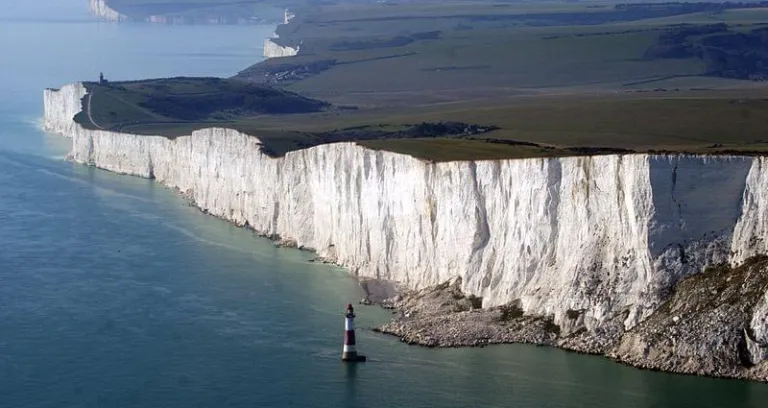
(557, 78)
(205, 101)
(702, 122)
(540, 79)
(178, 106)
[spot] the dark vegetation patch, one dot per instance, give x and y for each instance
(456, 68)
(677, 7)
(576, 150)
(444, 149)
(723, 284)
(278, 73)
(276, 148)
(373, 43)
(728, 53)
(173, 100)
(427, 35)
(572, 314)
(227, 103)
(711, 307)
(438, 129)
(601, 33)
(587, 16)
(348, 45)
(476, 301)
(286, 72)
(595, 150)
(549, 326)
(510, 312)
(512, 142)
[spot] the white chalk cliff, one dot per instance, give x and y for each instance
(274, 50)
(61, 106)
(602, 234)
(99, 8)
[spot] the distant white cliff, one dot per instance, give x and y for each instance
(274, 50)
(99, 8)
(288, 16)
(603, 234)
(102, 10)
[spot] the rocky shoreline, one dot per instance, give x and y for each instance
(703, 329)
(442, 316)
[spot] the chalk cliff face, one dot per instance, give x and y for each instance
(227, 13)
(99, 8)
(274, 50)
(751, 232)
(61, 106)
(606, 235)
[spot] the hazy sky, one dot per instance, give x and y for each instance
(43, 9)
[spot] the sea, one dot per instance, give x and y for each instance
(115, 292)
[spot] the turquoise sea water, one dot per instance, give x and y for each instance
(114, 292)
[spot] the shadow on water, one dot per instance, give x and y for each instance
(350, 371)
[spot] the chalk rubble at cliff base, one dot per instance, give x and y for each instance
(703, 329)
(442, 316)
(601, 238)
(706, 326)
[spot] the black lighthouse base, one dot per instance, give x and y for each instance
(352, 358)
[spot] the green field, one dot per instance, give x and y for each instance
(556, 78)
(709, 122)
(184, 101)
(712, 122)
(434, 53)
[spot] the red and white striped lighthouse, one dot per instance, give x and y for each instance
(349, 353)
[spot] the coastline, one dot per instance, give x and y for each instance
(102, 10)
(272, 49)
(488, 290)
(278, 208)
(678, 342)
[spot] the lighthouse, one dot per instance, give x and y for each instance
(349, 353)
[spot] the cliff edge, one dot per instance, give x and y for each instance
(100, 9)
(589, 245)
(274, 50)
